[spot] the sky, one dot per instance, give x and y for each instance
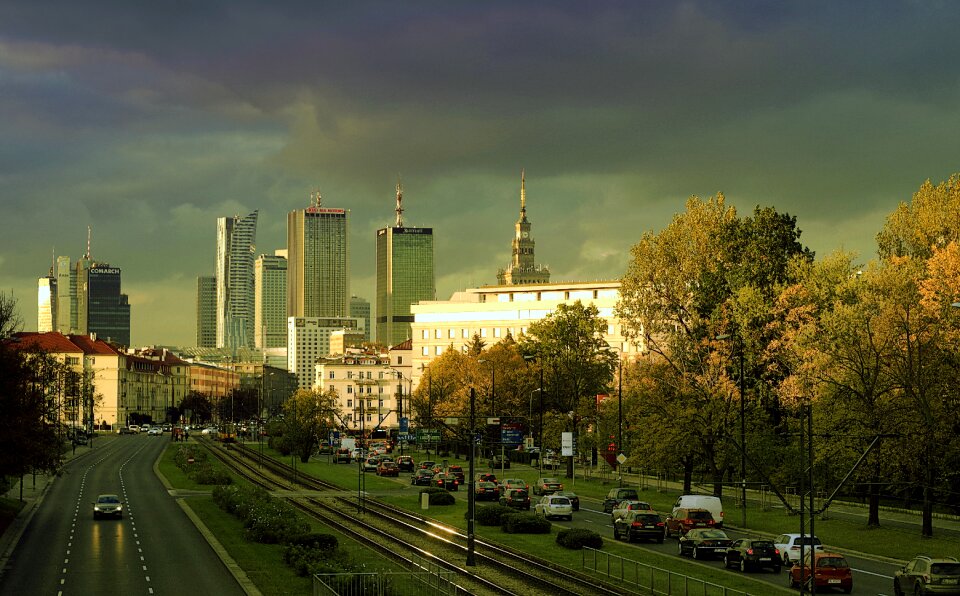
(149, 120)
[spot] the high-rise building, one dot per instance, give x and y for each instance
(105, 309)
(308, 338)
(270, 301)
(360, 309)
(318, 262)
(236, 247)
(66, 296)
(47, 304)
(523, 269)
(206, 311)
(404, 275)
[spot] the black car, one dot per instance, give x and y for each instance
(447, 481)
(500, 461)
(517, 498)
(405, 463)
(702, 543)
(422, 478)
(486, 491)
(639, 525)
(753, 553)
(616, 495)
(458, 472)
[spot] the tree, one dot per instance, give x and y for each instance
(578, 362)
(931, 219)
(196, 407)
(307, 417)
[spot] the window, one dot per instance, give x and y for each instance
(332, 375)
(437, 333)
(369, 417)
(483, 332)
(425, 334)
(496, 332)
(349, 374)
(349, 403)
(380, 375)
(451, 333)
(399, 360)
(439, 350)
(425, 350)
(465, 333)
(370, 374)
(349, 388)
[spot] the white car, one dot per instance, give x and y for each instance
(154, 432)
(210, 430)
(789, 546)
(554, 506)
(628, 505)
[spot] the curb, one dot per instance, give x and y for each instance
(243, 580)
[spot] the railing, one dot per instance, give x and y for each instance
(650, 579)
(431, 580)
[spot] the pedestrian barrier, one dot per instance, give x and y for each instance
(650, 579)
(430, 580)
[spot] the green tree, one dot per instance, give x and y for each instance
(577, 361)
(308, 416)
(931, 219)
(196, 407)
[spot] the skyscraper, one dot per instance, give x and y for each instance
(206, 311)
(47, 304)
(270, 301)
(107, 310)
(360, 309)
(236, 247)
(66, 297)
(318, 262)
(404, 275)
(522, 268)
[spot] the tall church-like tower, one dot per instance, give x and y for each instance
(523, 269)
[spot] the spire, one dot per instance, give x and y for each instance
(399, 203)
(87, 256)
(315, 199)
(523, 191)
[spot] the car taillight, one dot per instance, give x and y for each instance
(637, 524)
(776, 551)
(660, 524)
(561, 487)
(749, 551)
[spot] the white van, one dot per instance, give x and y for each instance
(710, 503)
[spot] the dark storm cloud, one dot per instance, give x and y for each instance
(149, 121)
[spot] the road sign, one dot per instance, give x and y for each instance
(428, 435)
(566, 444)
(493, 421)
(621, 458)
(511, 434)
(404, 425)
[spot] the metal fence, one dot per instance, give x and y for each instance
(649, 579)
(430, 580)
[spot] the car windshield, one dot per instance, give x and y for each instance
(837, 562)
(518, 494)
(761, 544)
(700, 515)
(646, 517)
(550, 481)
(560, 501)
(945, 568)
(108, 499)
(712, 534)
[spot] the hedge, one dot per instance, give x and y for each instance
(490, 515)
(439, 496)
(577, 538)
(524, 523)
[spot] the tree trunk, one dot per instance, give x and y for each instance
(873, 517)
(687, 476)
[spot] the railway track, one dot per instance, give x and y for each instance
(392, 530)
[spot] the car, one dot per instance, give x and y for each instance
(154, 432)
(457, 471)
(517, 498)
(358, 454)
(703, 543)
(342, 456)
(486, 491)
(753, 553)
(546, 486)
(426, 465)
(210, 430)
(708, 502)
(167, 428)
(500, 461)
(446, 480)
(107, 505)
(639, 524)
(683, 520)
(628, 505)
(406, 463)
(554, 506)
(574, 498)
(509, 483)
(422, 478)
(145, 428)
(126, 430)
(789, 546)
(928, 575)
(370, 464)
(388, 468)
(488, 477)
(831, 570)
(619, 494)
(134, 429)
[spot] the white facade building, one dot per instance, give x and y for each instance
(365, 389)
(308, 338)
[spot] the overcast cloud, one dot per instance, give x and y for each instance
(148, 121)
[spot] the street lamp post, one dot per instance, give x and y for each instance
(471, 496)
(743, 432)
(619, 418)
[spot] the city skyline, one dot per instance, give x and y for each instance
(148, 125)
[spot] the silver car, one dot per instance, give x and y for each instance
(108, 506)
(554, 506)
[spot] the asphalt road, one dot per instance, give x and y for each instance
(154, 549)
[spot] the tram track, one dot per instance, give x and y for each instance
(391, 530)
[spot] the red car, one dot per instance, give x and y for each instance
(388, 468)
(831, 570)
(683, 520)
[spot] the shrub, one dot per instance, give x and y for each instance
(439, 496)
(308, 561)
(186, 452)
(490, 515)
(266, 519)
(315, 540)
(524, 523)
(205, 473)
(577, 538)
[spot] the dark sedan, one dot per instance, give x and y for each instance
(447, 481)
(422, 478)
(702, 543)
(405, 463)
(518, 498)
(753, 553)
(636, 525)
(486, 491)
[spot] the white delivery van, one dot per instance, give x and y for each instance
(710, 503)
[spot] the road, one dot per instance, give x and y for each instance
(154, 549)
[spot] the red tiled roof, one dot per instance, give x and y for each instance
(53, 342)
(404, 345)
(90, 346)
